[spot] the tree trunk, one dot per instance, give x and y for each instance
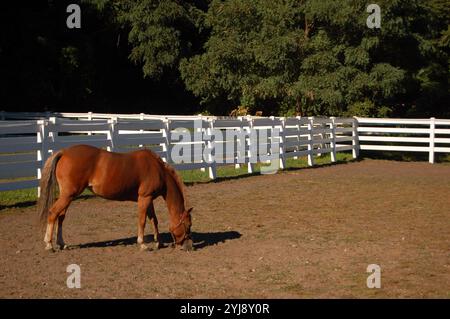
(298, 107)
(308, 27)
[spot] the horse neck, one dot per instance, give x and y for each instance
(174, 197)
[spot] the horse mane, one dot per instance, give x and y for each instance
(171, 171)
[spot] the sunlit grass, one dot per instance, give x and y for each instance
(227, 171)
(11, 198)
(23, 197)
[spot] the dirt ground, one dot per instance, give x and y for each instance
(297, 234)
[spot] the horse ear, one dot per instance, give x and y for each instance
(190, 210)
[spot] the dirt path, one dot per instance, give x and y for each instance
(303, 233)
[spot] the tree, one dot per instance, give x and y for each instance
(318, 57)
(161, 31)
(282, 57)
(252, 54)
(433, 76)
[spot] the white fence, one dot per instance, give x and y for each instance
(26, 144)
(405, 135)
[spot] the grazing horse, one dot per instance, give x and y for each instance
(139, 176)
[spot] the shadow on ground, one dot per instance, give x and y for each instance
(201, 240)
(405, 156)
(18, 205)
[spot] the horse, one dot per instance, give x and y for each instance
(140, 176)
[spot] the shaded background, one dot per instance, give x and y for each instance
(185, 57)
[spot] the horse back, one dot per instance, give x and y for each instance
(110, 175)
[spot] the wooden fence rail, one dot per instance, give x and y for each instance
(405, 135)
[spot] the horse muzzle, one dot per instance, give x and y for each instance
(188, 245)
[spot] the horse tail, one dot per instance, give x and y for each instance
(48, 187)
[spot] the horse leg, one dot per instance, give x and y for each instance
(59, 232)
(59, 206)
(152, 217)
(143, 204)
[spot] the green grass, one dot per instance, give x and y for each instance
(23, 197)
(229, 171)
(12, 198)
(27, 197)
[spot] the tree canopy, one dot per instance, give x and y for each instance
(284, 57)
(319, 57)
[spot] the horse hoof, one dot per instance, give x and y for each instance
(63, 247)
(157, 245)
(188, 245)
(143, 248)
(49, 248)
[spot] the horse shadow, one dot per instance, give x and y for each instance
(201, 240)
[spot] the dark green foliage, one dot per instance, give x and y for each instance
(282, 57)
(46, 66)
(162, 32)
(319, 57)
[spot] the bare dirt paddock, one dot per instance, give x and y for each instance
(302, 233)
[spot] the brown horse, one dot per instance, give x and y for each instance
(139, 176)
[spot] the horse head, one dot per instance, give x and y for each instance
(181, 232)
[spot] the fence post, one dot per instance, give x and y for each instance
(250, 146)
(212, 168)
(167, 140)
(298, 127)
(355, 138)
(432, 133)
(238, 155)
(141, 131)
(52, 136)
(321, 134)
(42, 152)
(282, 146)
(89, 117)
(333, 139)
(200, 131)
(311, 141)
(112, 135)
